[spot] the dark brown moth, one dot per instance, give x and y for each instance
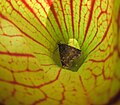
(68, 54)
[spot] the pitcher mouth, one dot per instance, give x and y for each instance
(68, 55)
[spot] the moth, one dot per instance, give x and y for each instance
(68, 54)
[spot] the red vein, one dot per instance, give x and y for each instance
(63, 94)
(55, 15)
(41, 100)
(103, 60)
(24, 32)
(64, 16)
(85, 90)
(16, 54)
(25, 3)
(89, 20)
(49, 2)
(71, 7)
(80, 9)
(47, 17)
(30, 86)
(20, 71)
(28, 21)
(107, 29)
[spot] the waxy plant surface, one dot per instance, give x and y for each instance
(29, 33)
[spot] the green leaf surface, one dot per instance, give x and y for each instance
(29, 33)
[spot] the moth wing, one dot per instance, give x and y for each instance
(68, 54)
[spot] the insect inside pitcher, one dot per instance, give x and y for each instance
(68, 54)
